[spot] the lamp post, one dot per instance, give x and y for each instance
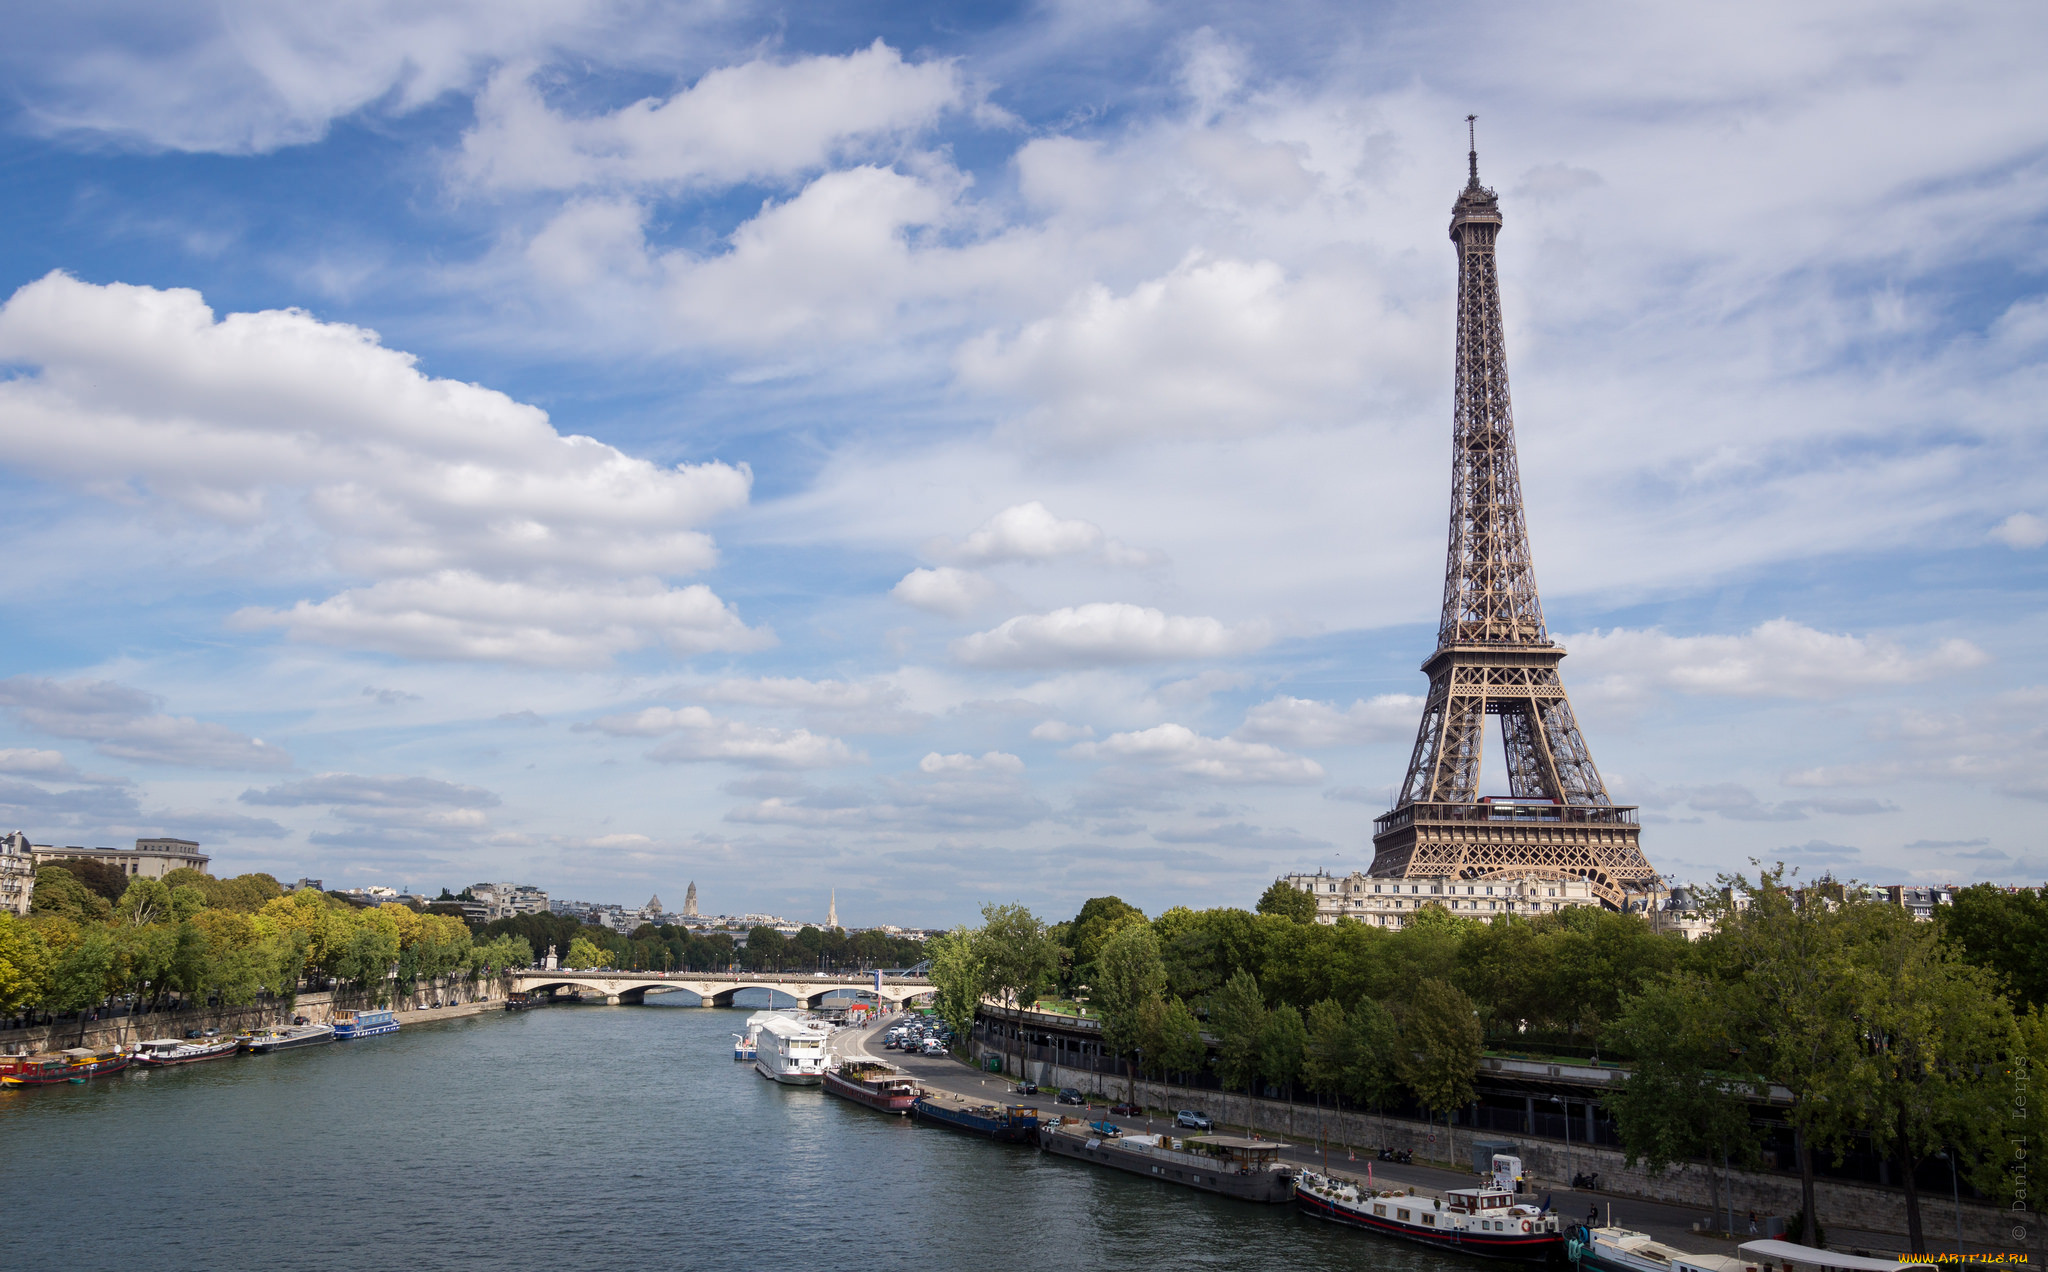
(1955, 1193)
(1566, 1109)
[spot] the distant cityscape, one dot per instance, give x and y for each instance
(479, 902)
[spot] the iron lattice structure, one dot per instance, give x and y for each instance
(1493, 656)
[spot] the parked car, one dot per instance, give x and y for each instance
(1125, 1110)
(933, 1047)
(1027, 1088)
(1070, 1095)
(1193, 1120)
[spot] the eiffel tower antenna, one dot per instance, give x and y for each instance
(1493, 655)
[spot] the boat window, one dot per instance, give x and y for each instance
(1430, 1220)
(1380, 1211)
(1400, 1214)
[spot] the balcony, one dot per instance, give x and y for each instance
(1505, 814)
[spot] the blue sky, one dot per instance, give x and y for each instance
(966, 453)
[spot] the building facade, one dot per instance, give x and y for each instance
(17, 873)
(1393, 903)
(149, 859)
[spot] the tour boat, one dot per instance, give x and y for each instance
(1485, 1221)
(743, 1047)
(1620, 1250)
(870, 1082)
(364, 1024)
(75, 1064)
(160, 1053)
(265, 1041)
(791, 1051)
(519, 1000)
(1007, 1123)
(1248, 1169)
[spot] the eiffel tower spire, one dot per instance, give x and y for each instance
(1493, 655)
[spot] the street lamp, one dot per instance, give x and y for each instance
(1955, 1193)
(1565, 1109)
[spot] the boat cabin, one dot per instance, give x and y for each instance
(1240, 1155)
(1478, 1201)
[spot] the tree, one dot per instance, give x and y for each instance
(1100, 918)
(1016, 956)
(1128, 975)
(59, 892)
(1172, 1038)
(24, 965)
(144, 902)
(1940, 1042)
(957, 978)
(1283, 900)
(1681, 1098)
(583, 955)
(2006, 932)
(1373, 1075)
(1441, 1038)
(1330, 1048)
(1283, 1046)
(1237, 1014)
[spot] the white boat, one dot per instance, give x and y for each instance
(158, 1053)
(1611, 1249)
(791, 1051)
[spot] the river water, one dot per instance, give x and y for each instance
(570, 1138)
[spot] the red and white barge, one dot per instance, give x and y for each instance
(877, 1085)
(1488, 1221)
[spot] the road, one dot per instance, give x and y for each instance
(1667, 1223)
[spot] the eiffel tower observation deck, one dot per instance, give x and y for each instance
(1494, 658)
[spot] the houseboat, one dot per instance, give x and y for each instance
(1620, 1250)
(367, 1023)
(74, 1064)
(520, 1000)
(791, 1051)
(1247, 1169)
(743, 1046)
(265, 1041)
(1005, 1123)
(1486, 1221)
(873, 1083)
(161, 1053)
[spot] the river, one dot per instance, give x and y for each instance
(570, 1138)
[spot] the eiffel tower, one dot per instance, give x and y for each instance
(1493, 656)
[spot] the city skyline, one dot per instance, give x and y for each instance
(952, 457)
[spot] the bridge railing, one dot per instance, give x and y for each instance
(751, 978)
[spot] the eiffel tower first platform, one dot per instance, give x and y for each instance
(1493, 656)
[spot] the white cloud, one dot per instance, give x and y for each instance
(395, 809)
(1181, 750)
(758, 120)
(945, 590)
(944, 793)
(1030, 532)
(494, 535)
(701, 736)
(1304, 722)
(50, 766)
(1780, 658)
(873, 706)
(1105, 632)
(127, 724)
(459, 614)
(988, 762)
(2022, 530)
(1060, 731)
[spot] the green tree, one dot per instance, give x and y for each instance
(1330, 1048)
(1441, 1041)
(144, 902)
(1237, 1014)
(583, 956)
(84, 974)
(24, 965)
(2006, 932)
(1016, 955)
(59, 892)
(1373, 1075)
(1283, 1048)
(957, 978)
(1128, 975)
(1100, 918)
(1283, 900)
(1172, 1038)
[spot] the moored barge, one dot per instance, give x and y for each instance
(1229, 1165)
(1485, 1221)
(1613, 1249)
(74, 1064)
(161, 1053)
(1004, 1123)
(265, 1041)
(870, 1082)
(364, 1024)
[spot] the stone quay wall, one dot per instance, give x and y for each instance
(1550, 1164)
(482, 994)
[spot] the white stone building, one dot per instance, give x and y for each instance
(1393, 902)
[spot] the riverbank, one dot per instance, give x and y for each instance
(483, 994)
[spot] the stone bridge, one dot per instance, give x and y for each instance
(717, 988)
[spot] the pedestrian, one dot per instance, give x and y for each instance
(1752, 1223)
(1593, 1215)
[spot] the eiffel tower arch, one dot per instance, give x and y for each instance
(1493, 656)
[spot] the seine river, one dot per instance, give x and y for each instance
(570, 1138)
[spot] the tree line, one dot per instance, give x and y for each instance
(95, 936)
(665, 948)
(1818, 1005)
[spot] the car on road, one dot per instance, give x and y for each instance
(1070, 1095)
(1193, 1120)
(1125, 1110)
(1027, 1088)
(933, 1047)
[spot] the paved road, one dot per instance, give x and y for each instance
(1667, 1223)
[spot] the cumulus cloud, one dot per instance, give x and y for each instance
(1780, 658)
(1103, 633)
(128, 724)
(944, 793)
(1060, 731)
(988, 762)
(1738, 803)
(2022, 530)
(484, 525)
(1304, 722)
(871, 706)
(945, 590)
(1244, 835)
(388, 809)
(755, 121)
(701, 736)
(1031, 532)
(1178, 749)
(50, 766)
